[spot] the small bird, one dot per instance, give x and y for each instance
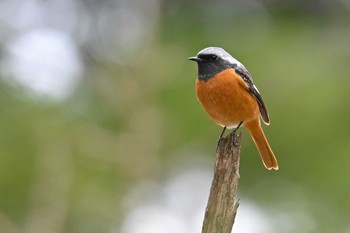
(227, 93)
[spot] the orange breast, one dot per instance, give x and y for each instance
(226, 99)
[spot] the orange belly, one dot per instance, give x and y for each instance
(226, 99)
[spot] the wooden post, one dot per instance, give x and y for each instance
(222, 203)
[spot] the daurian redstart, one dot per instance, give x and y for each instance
(226, 90)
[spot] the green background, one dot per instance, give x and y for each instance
(74, 165)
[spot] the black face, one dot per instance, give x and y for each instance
(210, 65)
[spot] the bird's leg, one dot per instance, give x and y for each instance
(222, 133)
(233, 133)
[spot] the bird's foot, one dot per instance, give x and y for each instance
(233, 134)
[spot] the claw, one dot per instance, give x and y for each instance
(218, 143)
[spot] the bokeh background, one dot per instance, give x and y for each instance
(100, 129)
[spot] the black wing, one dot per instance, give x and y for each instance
(243, 72)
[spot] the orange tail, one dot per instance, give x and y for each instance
(262, 144)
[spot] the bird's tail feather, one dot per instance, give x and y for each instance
(268, 158)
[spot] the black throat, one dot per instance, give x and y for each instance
(207, 70)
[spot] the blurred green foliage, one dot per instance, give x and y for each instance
(78, 159)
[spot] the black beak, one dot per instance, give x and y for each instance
(196, 59)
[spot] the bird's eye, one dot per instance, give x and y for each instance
(213, 57)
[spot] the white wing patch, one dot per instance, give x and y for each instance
(256, 88)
